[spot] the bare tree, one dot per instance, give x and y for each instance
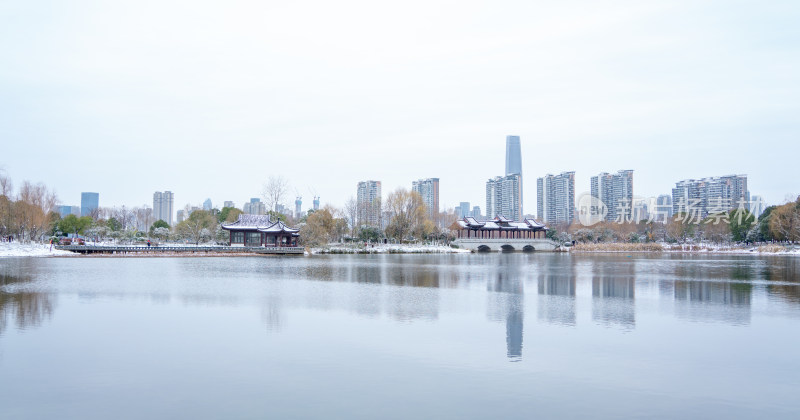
(125, 216)
(6, 186)
(144, 218)
(199, 226)
(6, 203)
(351, 214)
(408, 213)
(274, 191)
(33, 209)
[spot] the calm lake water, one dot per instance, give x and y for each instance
(401, 336)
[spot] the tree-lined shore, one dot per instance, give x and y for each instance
(30, 214)
(776, 225)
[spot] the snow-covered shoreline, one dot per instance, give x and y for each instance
(686, 249)
(32, 249)
(389, 249)
(17, 249)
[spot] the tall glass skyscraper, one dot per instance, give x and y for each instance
(514, 165)
(513, 156)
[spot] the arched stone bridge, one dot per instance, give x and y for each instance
(507, 245)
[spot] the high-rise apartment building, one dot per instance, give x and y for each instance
(298, 207)
(701, 197)
(163, 206)
(504, 197)
(207, 206)
(476, 212)
(555, 198)
(255, 206)
(662, 209)
(280, 208)
(463, 209)
(428, 189)
(616, 192)
(368, 200)
(90, 202)
(229, 204)
(316, 203)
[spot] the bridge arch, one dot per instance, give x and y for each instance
(528, 248)
(507, 248)
(484, 248)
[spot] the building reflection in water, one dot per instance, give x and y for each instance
(556, 289)
(613, 294)
(21, 307)
(272, 313)
(714, 291)
(507, 303)
(703, 300)
(415, 297)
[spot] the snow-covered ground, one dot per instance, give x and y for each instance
(17, 249)
(389, 249)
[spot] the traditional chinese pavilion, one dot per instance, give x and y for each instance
(499, 228)
(259, 230)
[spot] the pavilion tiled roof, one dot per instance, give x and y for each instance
(250, 222)
(500, 223)
(279, 227)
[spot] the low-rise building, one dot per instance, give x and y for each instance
(499, 228)
(259, 230)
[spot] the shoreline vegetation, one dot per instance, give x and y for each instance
(17, 249)
(772, 249)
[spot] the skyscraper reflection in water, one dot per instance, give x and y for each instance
(507, 303)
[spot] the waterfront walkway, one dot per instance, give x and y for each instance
(105, 249)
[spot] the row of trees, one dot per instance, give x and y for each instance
(777, 223)
(783, 222)
(407, 219)
(28, 213)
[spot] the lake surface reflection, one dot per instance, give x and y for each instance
(400, 336)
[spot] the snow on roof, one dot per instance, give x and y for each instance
(502, 223)
(278, 227)
(501, 218)
(249, 221)
(534, 224)
(470, 221)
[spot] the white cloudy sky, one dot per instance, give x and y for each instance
(210, 98)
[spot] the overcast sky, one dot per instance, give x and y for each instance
(209, 98)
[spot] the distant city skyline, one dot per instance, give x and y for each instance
(672, 90)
